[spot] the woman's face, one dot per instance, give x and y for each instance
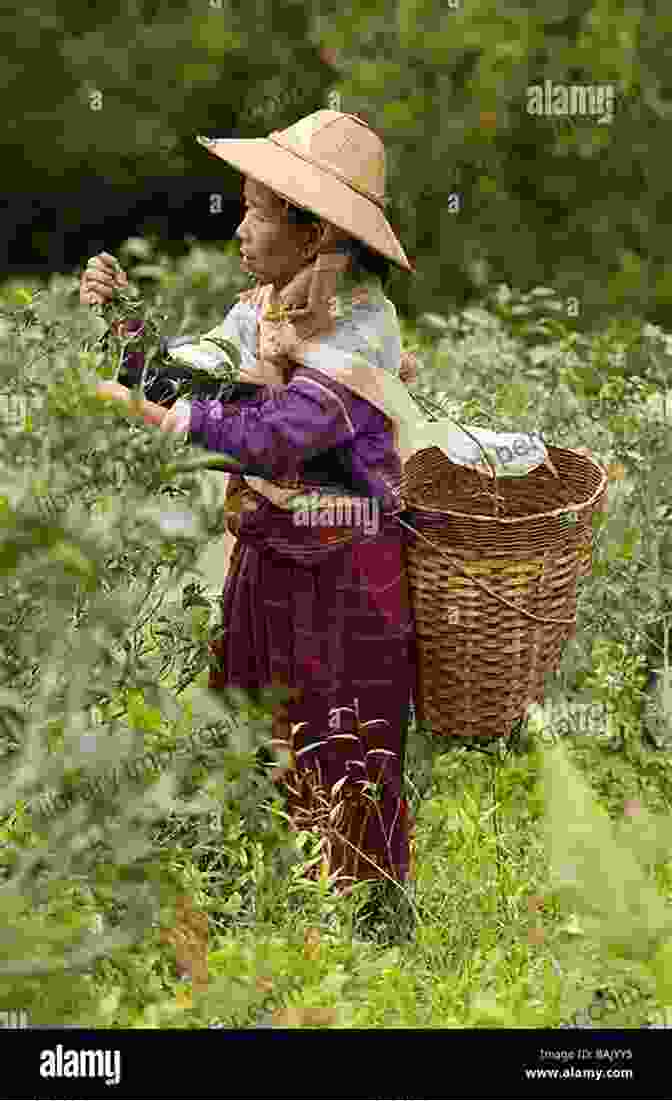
(272, 248)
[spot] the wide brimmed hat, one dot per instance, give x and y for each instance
(329, 163)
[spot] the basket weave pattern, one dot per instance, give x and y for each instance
(481, 659)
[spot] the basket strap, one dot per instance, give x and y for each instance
(460, 568)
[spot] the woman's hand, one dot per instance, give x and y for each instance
(102, 276)
(149, 410)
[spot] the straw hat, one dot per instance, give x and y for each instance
(329, 163)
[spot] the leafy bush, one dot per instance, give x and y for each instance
(88, 554)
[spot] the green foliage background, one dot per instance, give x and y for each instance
(582, 206)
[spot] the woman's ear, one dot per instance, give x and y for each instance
(331, 235)
(316, 235)
(326, 233)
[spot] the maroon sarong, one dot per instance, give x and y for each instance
(331, 622)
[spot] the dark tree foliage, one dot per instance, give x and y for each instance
(102, 146)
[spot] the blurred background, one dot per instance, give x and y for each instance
(102, 105)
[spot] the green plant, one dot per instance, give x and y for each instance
(86, 559)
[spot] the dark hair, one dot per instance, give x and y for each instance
(364, 260)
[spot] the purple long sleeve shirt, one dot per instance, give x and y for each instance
(312, 415)
(287, 434)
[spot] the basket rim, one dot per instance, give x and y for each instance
(552, 514)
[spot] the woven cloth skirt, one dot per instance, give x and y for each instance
(325, 614)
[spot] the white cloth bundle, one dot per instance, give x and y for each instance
(512, 454)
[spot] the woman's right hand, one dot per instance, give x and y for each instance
(102, 276)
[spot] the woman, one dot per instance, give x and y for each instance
(318, 612)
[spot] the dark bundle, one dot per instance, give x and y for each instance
(164, 379)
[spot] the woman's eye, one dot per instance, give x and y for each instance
(259, 213)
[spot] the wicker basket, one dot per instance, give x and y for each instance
(493, 569)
